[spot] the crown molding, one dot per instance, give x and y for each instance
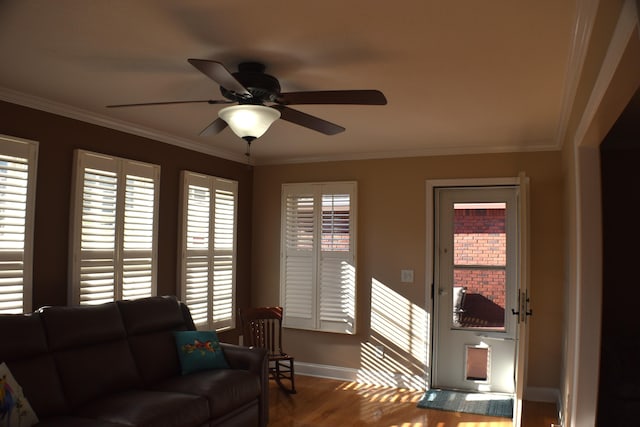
(586, 11)
(87, 116)
(426, 152)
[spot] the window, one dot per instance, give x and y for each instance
(318, 256)
(208, 249)
(18, 160)
(114, 229)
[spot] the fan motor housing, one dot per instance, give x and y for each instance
(262, 87)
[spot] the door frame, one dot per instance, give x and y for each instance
(431, 184)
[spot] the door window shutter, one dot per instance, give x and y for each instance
(17, 191)
(208, 248)
(318, 256)
(114, 229)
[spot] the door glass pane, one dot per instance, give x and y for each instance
(479, 273)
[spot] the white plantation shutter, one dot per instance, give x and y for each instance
(97, 263)
(114, 228)
(298, 261)
(224, 253)
(138, 273)
(318, 278)
(208, 249)
(17, 192)
(195, 272)
(337, 263)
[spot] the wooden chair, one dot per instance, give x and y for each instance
(262, 327)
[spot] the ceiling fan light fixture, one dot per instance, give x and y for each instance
(249, 121)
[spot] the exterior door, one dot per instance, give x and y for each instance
(476, 288)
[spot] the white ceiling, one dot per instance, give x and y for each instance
(463, 76)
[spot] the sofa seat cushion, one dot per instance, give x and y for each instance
(225, 389)
(248, 415)
(148, 408)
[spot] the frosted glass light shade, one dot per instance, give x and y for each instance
(249, 121)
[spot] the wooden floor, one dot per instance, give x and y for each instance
(330, 403)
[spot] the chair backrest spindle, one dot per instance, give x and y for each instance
(262, 327)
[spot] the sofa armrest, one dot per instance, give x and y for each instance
(255, 360)
(248, 358)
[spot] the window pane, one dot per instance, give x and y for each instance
(479, 298)
(98, 210)
(480, 251)
(335, 222)
(480, 236)
(198, 213)
(300, 222)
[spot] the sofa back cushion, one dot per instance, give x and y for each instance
(150, 323)
(91, 351)
(24, 349)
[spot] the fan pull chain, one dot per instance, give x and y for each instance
(248, 152)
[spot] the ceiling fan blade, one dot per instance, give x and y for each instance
(356, 97)
(308, 121)
(219, 73)
(217, 126)
(208, 101)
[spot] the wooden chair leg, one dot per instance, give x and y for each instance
(279, 375)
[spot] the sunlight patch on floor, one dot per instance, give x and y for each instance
(376, 393)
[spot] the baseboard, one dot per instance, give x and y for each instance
(326, 371)
(542, 394)
(388, 379)
(379, 378)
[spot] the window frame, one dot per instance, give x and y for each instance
(197, 306)
(308, 275)
(122, 168)
(25, 149)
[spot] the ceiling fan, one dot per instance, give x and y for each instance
(260, 101)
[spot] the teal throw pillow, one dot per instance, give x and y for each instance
(199, 351)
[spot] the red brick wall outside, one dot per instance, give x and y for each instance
(480, 239)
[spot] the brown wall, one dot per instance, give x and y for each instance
(58, 137)
(392, 236)
(391, 227)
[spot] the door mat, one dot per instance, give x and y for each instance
(495, 405)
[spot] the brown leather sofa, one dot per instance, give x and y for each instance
(116, 364)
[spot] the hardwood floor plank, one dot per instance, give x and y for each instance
(322, 402)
